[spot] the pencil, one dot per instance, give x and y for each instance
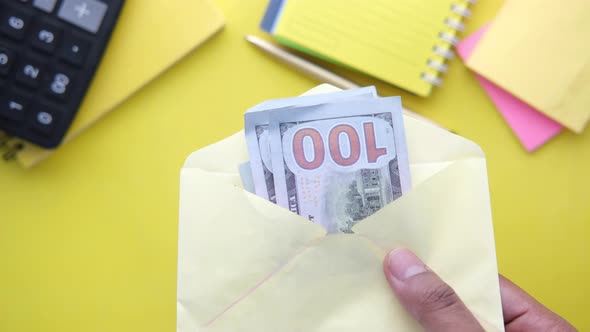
(313, 70)
(302, 65)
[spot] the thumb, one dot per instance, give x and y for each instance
(427, 298)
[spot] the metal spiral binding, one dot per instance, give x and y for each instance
(448, 38)
(432, 79)
(455, 24)
(10, 146)
(443, 52)
(461, 10)
(438, 66)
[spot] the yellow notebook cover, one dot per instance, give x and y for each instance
(539, 51)
(150, 36)
(402, 42)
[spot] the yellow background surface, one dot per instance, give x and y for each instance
(88, 239)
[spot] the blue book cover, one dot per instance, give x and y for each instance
(273, 11)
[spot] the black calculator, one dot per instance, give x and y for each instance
(49, 52)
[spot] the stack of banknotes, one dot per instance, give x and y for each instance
(333, 158)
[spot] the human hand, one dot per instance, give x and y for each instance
(437, 307)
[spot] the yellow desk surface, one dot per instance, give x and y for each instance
(88, 238)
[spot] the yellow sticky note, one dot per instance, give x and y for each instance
(539, 51)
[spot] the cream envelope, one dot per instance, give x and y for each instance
(245, 264)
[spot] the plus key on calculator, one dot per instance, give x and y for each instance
(49, 52)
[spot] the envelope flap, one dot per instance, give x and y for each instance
(447, 221)
(334, 285)
(337, 284)
(229, 241)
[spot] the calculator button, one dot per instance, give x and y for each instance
(45, 5)
(45, 37)
(85, 14)
(13, 107)
(74, 50)
(15, 24)
(44, 120)
(59, 85)
(6, 57)
(29, 73)
(49, 54)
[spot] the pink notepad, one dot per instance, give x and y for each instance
(531, 127)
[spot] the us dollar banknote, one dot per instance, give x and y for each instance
(257, 133)
(339, 163)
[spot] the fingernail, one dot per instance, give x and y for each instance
(403, 264)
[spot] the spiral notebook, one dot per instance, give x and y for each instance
(402, 42)
(164, 31)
